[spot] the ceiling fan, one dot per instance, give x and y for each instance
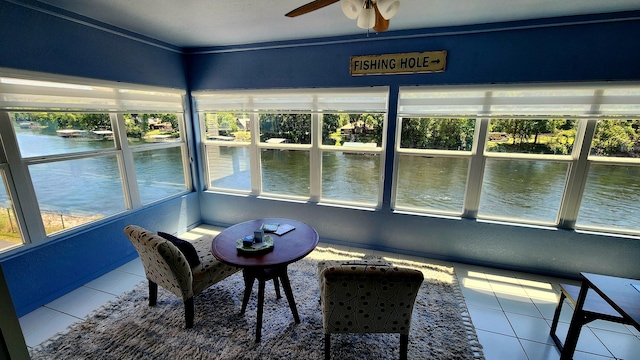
(371, 14)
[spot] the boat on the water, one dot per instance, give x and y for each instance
(71, 133)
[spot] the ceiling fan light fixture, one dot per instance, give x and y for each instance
(369, 14)
(352, 8)
(388, 8)
(367, 19)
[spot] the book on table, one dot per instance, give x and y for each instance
(283, 229)
(269, 227)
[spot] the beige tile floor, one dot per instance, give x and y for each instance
(511, 311)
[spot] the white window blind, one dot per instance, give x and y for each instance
(623, 100)
(372, 100)
(569, 101)
(424, 101)
(24, 93)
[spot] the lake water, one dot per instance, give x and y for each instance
(518, 190)
(93, 186)
(523, 190)
(530, 190)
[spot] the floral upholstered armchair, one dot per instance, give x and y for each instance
(367, 296)
(183, 268)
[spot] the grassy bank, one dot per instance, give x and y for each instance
(53, 222)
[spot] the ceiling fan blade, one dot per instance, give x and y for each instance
(382, 24)
(312, 6)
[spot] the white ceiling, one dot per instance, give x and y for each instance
(204, 23)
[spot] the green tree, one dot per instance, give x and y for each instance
(615, 137)
(524, 129)
(366, 128)
(330, 124)
(170, 118)
(375, 124)
(133, 125)
(520, 130)
(293, 127)
(94, 121)
(223, 123)
(443, 134)
(142, 121)
(228, 121)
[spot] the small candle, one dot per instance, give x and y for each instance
(258, 235)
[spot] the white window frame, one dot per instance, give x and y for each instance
(128, 166)
(299, 101)
(378, 151)
(25, 91)
(589, 104)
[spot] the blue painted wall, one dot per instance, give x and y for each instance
(588, 48)
(44, 273)
(556, 252)
(37, 41)
(532, 51)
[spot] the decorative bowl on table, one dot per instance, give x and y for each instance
(257, 247)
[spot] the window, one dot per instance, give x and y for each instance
(611, 197)
(612, 189)
(160, 172)
(433, 163)
(228, 160)
(49, 144)
(285, 166)
(522, 190)
(560, 156)
(526, 167)
(352, 157)
(76, 191)
(322, 145)
(83, 150)
(158, 149)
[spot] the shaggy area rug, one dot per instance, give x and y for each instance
(129, 329)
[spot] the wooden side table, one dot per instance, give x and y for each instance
(600, 297)
(288, 248)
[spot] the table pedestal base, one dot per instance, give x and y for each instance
(277, 274)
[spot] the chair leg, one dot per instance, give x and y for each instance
(554, 323)
(276, 284)
(188, 312)
(404, 346)
(153, 293)
(327, 346)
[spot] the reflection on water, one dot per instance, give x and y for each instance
(515, 189)
(530, 190)
(159, 173)
(611, 197)
(351, 177)
(93, 186)
(345, 176)
(285, 172)
(229, 167)
(83, 186)
(431, 183)
(33, 143)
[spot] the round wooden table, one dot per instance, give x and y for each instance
(272, 265)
